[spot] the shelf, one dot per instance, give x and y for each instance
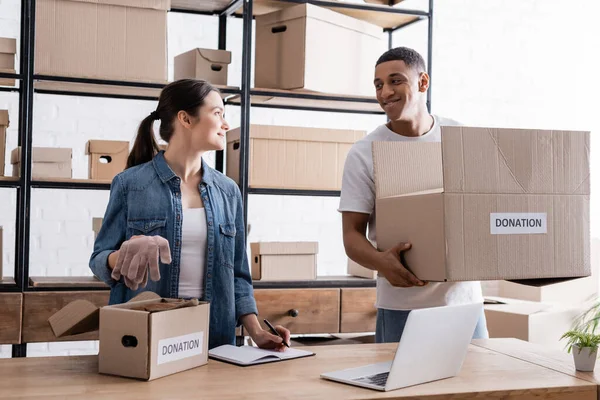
(111, 89)
(7, 281)
(321, 282)
(310, 101)
(65, 183)
(70, 282)
(294, 192)
(9, 182)
(200, 7)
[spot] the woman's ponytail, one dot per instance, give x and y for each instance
(145, 146)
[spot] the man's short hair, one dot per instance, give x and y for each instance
(411, 58)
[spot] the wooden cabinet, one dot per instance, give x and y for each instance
(10, 318)
(358, 312)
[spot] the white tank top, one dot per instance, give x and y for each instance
(193, 253)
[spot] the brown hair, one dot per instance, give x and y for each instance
(183, 95)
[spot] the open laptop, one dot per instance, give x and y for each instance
(433, 346)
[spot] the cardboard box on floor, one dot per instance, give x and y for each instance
(4, 123)
(487, 204)
(106, 158)
(531, 321)
(8, 49)
(146, 338)
(207, 64)
(109, 39)
(307, 47)
(47, 162)
(287, 157)
(284, 261)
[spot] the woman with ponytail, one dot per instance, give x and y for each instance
(175, 226)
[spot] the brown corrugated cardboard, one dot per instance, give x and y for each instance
(145, 338)
(534, 322)
(46, 170)
(108, 39)
(4, 123)
(522, 232)
(106, 158)
(292, 157)
(8, 49)
(207, 64)
(304, 46)
(44, 154)
(355, 269)
(96, 225)
(284, 261)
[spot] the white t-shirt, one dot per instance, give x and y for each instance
(193, 253)
(358, 195)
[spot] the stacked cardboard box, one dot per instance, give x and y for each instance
(207, 64)
(47, 162)
(8, 49)
(4, 122)
(284, 261)
(106, 158)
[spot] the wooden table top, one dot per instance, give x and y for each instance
(485, 374)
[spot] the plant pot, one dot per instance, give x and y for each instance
(585, 358)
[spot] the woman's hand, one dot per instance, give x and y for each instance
(265, 339)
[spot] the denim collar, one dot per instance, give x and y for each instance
(165, 172)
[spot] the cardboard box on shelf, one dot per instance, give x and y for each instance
(534, 322)
(207, 64)
(111, 39)
(106, 158)
(146, 338)
(304, 46)
(355, 269)
(47, 162)
(288, 157)
(96, 225)
(487, 204)
(4, 123)
(8, 49)
(284, 261)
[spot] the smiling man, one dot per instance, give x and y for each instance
(401, 84)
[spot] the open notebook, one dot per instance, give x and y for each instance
(249, 355)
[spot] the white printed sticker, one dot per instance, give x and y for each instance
(518, 223)
(180, 347)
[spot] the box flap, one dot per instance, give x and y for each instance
(44, 154)
(321, 14)
(153, 4)
(215, 56)
(515, 161)
(4, 119)
(8, 45)
(79, 316)
(293, 133)
(406, 167)
(264, 248)
(106, 147)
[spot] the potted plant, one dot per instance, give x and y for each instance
(584, 346)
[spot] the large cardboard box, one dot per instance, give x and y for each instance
(284, 261)
(146, 338)
(288, 157)
(106, 158)
(207, 64)
(308, 47)
(4, 123)
(47, 162)
(533, 322)
(487, 204)
(8, 49)
(108, 39)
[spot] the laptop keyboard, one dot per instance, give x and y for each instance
(377, 379)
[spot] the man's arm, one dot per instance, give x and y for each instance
(359, 249)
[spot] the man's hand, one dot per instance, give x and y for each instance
(392, 269)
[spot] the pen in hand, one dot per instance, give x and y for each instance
(274, 331)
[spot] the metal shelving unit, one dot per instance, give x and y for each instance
(389, 18)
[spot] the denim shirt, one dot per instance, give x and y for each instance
(146, 200)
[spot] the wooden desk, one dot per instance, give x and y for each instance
(486, 374)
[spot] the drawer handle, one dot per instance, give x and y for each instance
(293, 313)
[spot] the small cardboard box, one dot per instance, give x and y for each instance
(284, 261)
(207, 64)
(355, 269)
(96, 225)
(46, 162)
(304, 47)
(8, 49)
(287, 157)
(533, 322)
(146, 338)
(108, 39)
(106, 158)
(487, 204)
(4, 123)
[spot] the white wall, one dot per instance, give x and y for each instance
(517, 63)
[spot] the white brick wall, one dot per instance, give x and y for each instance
(518, 63)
